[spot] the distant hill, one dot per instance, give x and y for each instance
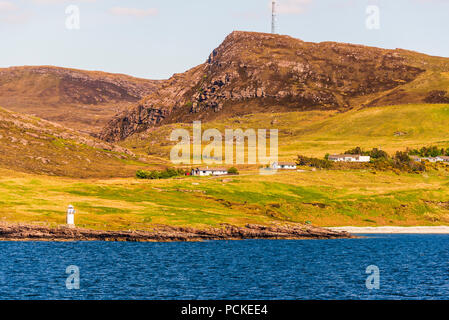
(30, 144)
(256, 73)
(82, 100)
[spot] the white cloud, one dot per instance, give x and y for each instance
(47, 1)
(20, 18)
(59, 1)
(134, 12)
(11, 14)
(7, 6)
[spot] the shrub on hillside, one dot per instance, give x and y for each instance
(313, 162)
(401, 157)
(431, 151)
(401, 161)
(155, 174)
(233, 170)
(356, 150)
(142, 174)
(378, 154)
(375, 153)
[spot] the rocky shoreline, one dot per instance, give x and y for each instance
(25, 232)
(395, 230)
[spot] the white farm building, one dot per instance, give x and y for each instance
(443, 159)
(349, 158)
(209, 172)
(284, 166)
(430, 159)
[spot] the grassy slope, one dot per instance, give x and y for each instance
(29, 144)
(316, 133)
(326, 198)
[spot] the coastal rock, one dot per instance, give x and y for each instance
(23, 232)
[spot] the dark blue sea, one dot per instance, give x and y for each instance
(410, 267)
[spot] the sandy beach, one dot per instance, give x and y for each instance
(394, 230)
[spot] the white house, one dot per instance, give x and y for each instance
(349, 158)
(431, 159)
(442, 159)
(209, 172)
(284, 166)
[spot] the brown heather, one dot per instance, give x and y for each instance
(82, 100)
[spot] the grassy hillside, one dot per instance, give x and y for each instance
(82, 100)
(264, 73)
(324, 198)
(316, 133)
(30, 144)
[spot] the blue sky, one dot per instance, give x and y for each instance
(154, 38)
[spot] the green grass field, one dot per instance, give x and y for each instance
(324, 198)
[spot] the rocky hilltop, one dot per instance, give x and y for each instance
(83, 100)
(256, 72)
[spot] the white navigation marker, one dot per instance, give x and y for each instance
(71, 216)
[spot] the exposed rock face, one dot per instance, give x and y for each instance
(437, 96)
(166, 233)
(256, 72)
(133, 121)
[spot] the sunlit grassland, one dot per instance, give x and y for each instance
(315, 133)
(325, 198)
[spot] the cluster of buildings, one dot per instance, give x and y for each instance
(359, 158)
(430, 159)
(349, 158)
(334, 158)
(284, 166)
(356, 158)
(202, 172)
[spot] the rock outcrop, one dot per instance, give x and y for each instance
(437, 96)
(167, 233)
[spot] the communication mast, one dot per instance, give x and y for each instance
(273, 17)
